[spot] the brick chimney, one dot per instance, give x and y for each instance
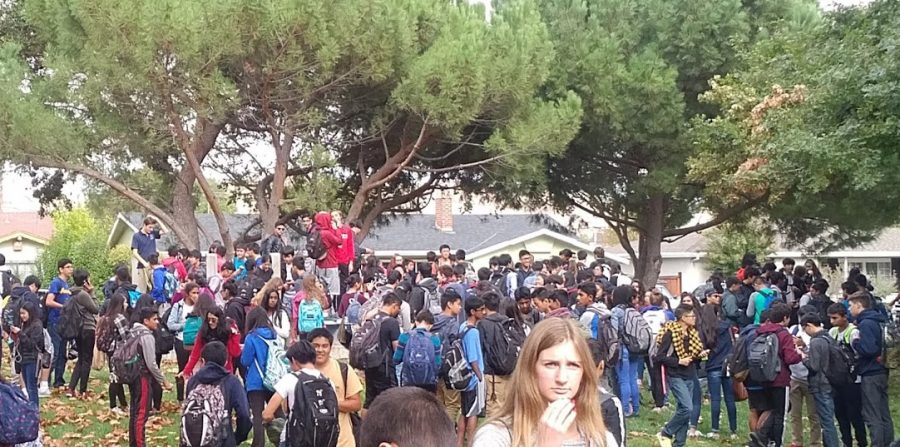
(443, 213)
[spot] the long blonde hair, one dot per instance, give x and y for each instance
(311, 290)
(263, 293)
(524, 406)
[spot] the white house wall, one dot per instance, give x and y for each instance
(22, 262)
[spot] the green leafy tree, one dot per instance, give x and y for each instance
(728, 243)
(81, 238)
(811, 129)
(639, 68)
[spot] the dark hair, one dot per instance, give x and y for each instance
(62, 263)
(787, 261)
(257, 318)
(491, 300)
(588, 288)
(407, 416)
(153, 259)
(449, 296)
(837, 309)
(777, 277)
(123, 274)
(231, 287)
(621, 295)
(446, 270)
(683, 309)
(494, 260)
(460, 255)
(849, 287)
(115, 306)
(431, 256)
(146, 313)
(522, 293)
(301, 352)
(287, 251)
(765, 316)
(221, 250)
(394, 277)
(504, 260)
(320, 332)
(425, 316)
(472, 304)
(820, 285)
(299, 262)
(598, 349)
(32, 279)
(459, 270)
(424, 269)
(214, 352)
(149, 221)
(80, 277)
(751, 272)
(812, 318)
(222, 332)
(32, 310)
(778, 312)
(484, 274)
(443, 246)
(228, 265)
(390, 299)
(355, 223)
(145, 301)
(353, 280)
(2, 259)
(731, 280)
(204, 305)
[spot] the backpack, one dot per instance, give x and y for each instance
(769, 298)
(763, 359)
(20, 419)
(603, 331)
(308, 314)
(165, 339)
(106, 335)
(205, 417)
(133, 297)
(455, 369)
(840, 364)
(498, 280)
(636, 334)
(738, 362)
(315, 248)
(314, 415)
(821, 304)
(890, 352)
(432, 301)
(418, 360)
(69, 325)
(365, 351)
(192, 325)
(353, 309)
(501, 344)
(127, 361)
(277, 365)
(170, 285)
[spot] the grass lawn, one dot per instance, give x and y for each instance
(88, 422)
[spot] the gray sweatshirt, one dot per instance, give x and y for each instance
(817, 362)
(148, 348)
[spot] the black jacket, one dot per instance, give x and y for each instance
(30, 343)
(235, 309)
(666, 355)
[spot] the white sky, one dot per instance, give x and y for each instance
(16, 191)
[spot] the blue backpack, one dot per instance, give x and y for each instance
(418, 360)
(170, 286)
(19, 420)
(133, 297)
(308, 315)
(354, 309)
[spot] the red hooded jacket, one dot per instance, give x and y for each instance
(330, 238)
(788, 354)
(348, 251)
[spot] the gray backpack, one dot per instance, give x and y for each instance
(763, 359)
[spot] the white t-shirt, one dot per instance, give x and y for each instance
(285, 389)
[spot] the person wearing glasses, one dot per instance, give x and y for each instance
(274, 243)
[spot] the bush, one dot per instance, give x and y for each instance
(80, 237)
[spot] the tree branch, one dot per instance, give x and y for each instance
(721, 217)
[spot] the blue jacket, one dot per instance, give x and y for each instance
(255, 353)
(723, 348)
(870, 343)
(235, 400)
(159, 284)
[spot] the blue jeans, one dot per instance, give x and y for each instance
(720, 385)
(825, 410)
(628, 389)
(60, 356)
(683, 392)
(30, 374)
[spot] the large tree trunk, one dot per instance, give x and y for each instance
(268, 203)
(649, 260)
(184, 207)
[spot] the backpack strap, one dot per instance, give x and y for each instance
(344, 371)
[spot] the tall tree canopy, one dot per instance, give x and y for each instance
(402, 94)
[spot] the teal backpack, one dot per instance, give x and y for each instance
(191, 326)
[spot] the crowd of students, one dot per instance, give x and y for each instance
(552, 352)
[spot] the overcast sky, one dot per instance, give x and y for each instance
(16, 191)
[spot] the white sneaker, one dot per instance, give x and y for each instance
(119, 412)
(658, 409)
(44, 391)
(713, 435)
(694, 433)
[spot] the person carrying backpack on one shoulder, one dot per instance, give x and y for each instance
(446, 327)
(629, 361)
(501, 347)
(255, 357)
(869, 348)
(142, 345)
(816, 358)
(419, 351)
(848, 397)
(772, 335)
(214, 390)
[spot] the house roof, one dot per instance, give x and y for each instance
(472, 232)
(887, 244)
(30, 225)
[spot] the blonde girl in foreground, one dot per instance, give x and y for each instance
(554, 400)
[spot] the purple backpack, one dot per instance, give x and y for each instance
(19, 420)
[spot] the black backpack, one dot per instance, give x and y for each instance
(9, 278)
(821, 303)
(315, 248)
(314, 415)
(840, 363)
(501, 344)
(763, 357)
(69, 325)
